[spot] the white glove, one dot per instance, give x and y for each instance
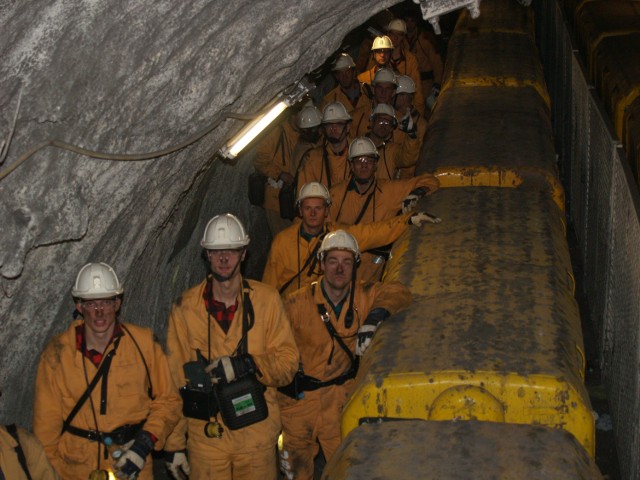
(365, 335)
(178, 465)
(231, 368)
(285, 465)
(407, 125)
(410, 202)
(422, 217)
(431, 99)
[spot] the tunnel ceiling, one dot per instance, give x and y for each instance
(129, 78)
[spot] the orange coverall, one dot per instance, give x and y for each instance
(314, 168)
(429, 60)
(61, 381)
(37, 463)
(281, 151)
(386, 201)
(272, 346)
(290, 250)
(316, 417)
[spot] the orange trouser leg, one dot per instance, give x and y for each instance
(260, 464)
(299, 438)
(204, 467)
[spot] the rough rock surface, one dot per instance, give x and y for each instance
(131, 77)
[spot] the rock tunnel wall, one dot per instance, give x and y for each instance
(131, 77)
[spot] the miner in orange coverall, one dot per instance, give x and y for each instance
(355, 96)
(366, 199)
(328, 163)
(386, 54)
(292, 261)
(279, 156)
(103, 383)
(241, 329)
(395, 151)
(333, 321)
(22, 456)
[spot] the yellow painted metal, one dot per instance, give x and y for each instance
(493, 330)
(532, 400)
(487, 177)
(492, 136)
(445, 450)
(494, 59)
(617, 66)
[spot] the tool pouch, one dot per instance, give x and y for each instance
(257, 182)
(287, 199)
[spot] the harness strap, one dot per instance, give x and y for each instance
(13, 431)
(102, 372)
(311, 258)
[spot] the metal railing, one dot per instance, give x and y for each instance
(604, 208)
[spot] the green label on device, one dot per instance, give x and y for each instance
(243, 404)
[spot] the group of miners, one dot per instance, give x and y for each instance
(248, 361)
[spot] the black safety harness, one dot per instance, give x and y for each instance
(310, 263)
(120, 435)
(13, 431)
(308, 383)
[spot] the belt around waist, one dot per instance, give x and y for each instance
(119, 436)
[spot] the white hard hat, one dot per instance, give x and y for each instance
(383, 109)
(339, 240)
(385, 75)
(405, 84)
(224, 232)
(382, 43)
(309, 117)
(397, 25)
(343, 62)
(96, 280)
(314, 190)
(363, 147)
(335, 112)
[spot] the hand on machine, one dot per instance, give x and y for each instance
(368, 329)
(417, 219)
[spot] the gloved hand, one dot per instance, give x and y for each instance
(286, 177)
(368, 329)
(421, 217)
(411, 201)
(431, 99)
(231, 368)
(408, 126)
(177, 465)
(132, 461)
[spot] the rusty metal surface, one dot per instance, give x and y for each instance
(459, 450)
(494, 58)
(493, 128)
(498, 16)
(494, 331)
(487, 280)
